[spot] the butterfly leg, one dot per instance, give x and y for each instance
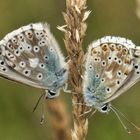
(66, 90)
(80, 104)
(86, 112)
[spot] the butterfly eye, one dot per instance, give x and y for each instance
(105, 108)
(52, 93)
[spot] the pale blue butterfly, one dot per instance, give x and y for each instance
(112, 67)
(31, 55)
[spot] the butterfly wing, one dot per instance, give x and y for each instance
(109, 65)
(134, 76)
(31, 55)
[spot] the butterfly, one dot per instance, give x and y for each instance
(112, 67)
(31, 55)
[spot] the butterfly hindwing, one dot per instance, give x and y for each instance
(109, 65)
(31, 56)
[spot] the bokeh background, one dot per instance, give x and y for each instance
(110, 17)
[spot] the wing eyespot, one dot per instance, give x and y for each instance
(108, 90)
(4, 69)
(39, 76)
(41, 65)
(22, 64)
(27, 72)
(36, 49)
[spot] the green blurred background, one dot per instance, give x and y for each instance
(110, 17)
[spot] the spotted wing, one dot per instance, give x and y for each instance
(133, 78)
(30, 55)
(109, 65)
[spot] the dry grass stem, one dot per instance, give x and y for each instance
(74, 30)
(138, 8)
(59, 118)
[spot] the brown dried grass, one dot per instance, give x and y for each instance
(74, 29)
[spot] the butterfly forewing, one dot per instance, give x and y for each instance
(109, 65)
(31, 55)
(134, 76)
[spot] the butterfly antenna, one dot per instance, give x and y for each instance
(93, 112)
(38, 101)
(43, 111)
(135, 126)
(124, 126)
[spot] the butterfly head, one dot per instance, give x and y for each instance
(59, 81)
(105, 108)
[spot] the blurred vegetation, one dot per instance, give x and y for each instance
(111, 17)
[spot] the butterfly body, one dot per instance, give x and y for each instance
(30, 55)
(112, 66)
